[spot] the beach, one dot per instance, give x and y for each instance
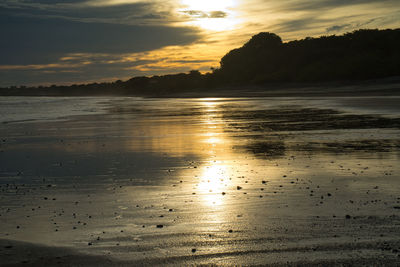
(128, 181)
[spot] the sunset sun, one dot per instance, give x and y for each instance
(211, 15)
(209, 5)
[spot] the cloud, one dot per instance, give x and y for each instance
(336, 28)
(124, 13)
(45, 41)
(295, 19)
(26, 40)
(196, 13)
(218, 14)
(86, 67)
(74, 68)
(202, 14)
(310, 5)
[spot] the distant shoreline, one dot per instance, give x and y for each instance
(376, 87)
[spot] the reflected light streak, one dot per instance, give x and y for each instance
(214, 179)
(209, 102)
(213, 182)
(213, 141)
(211, 110)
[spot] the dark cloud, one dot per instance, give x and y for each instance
(98, 71)
(56, 41)
(78, 11)
(311, 22)
(297, 24)
(196, 13)
(27, 40)
(218, 14)
(355, 24)
(336, 28)
(202, 14)
(51, 1)
(313, 5)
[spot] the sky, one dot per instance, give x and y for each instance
(45, 42)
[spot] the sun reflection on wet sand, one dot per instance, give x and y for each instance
(214, 179)
(213, 141)
(213, 182)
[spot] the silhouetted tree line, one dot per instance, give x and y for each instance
(363, 54)
(360, 55)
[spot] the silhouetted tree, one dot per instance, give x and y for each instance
(362, 54)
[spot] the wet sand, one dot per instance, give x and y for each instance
(224, 181)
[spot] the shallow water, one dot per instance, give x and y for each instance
(241, 180)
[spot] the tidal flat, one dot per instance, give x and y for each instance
(124, 181)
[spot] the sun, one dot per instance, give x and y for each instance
(212, 15)
(209, 5)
